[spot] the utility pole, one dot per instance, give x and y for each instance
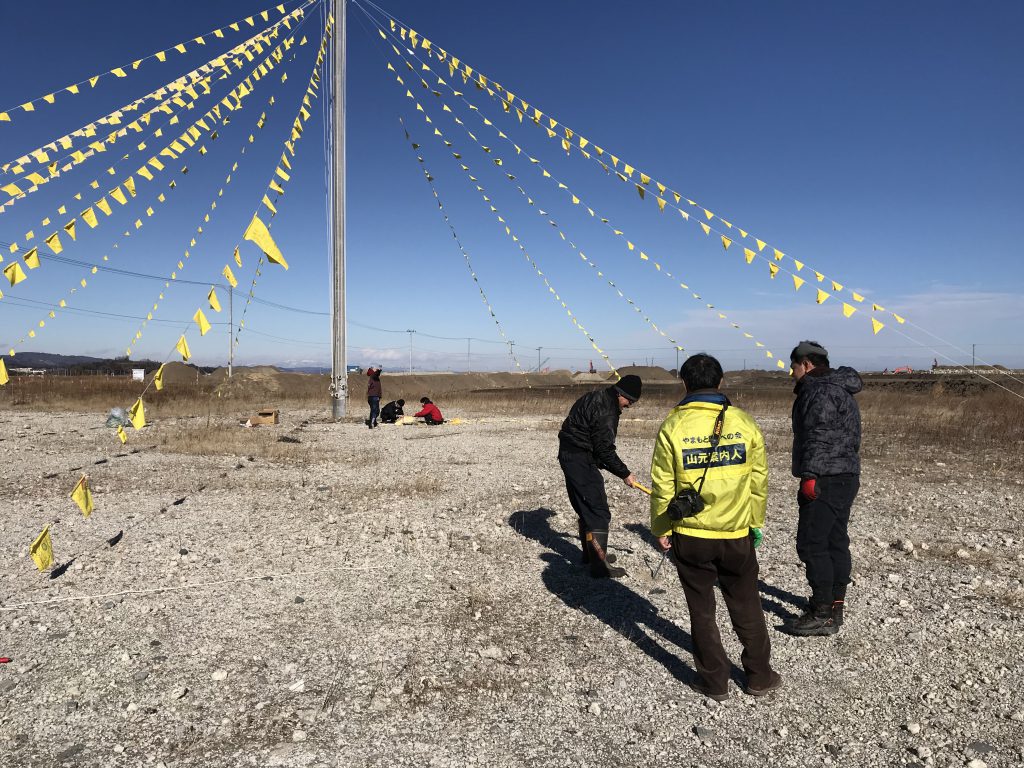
(972, 355)
(469, 355)
(511, 355)
(231, 328)
(339, 363)
(538, 358)
(410, 332)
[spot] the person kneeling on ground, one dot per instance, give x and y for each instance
(586, 445)
(392, 412)
(431, 413)
(709, 493)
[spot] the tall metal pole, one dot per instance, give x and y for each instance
(410, 332)
(469, 355)
(538, 358)
(231, 329)
(339, 363)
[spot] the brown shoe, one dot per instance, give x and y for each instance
(774, 684)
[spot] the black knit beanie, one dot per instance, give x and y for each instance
(629, 387)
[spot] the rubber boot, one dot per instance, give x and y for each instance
(838, 604)
(597, 543)
(583, 543)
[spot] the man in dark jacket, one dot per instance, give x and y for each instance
(392, 412)
(586, 445)
(826, 458)
(374, 391)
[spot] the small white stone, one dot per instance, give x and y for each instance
(976, 763)
(924, 752)
(299, 736)
(594, 709)
(118, 748)
(914, 728)
(220, 674)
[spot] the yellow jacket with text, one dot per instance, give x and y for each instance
(735, 491)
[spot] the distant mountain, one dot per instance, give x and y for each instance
(48, 360)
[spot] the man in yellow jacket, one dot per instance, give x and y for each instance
(709, 478)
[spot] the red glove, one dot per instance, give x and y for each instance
(809, 488)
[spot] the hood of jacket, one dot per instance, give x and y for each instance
(843, 376)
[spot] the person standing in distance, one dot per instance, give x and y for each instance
(826, 459)
(712, 451)
(586, 445)
(374, 391)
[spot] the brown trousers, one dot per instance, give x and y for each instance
(733, 563)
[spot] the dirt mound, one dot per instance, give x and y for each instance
(178, 373)
(647, 372)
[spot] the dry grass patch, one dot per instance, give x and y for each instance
(233, 441)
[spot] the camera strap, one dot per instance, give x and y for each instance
(715, 438)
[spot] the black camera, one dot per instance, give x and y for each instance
(687, 503)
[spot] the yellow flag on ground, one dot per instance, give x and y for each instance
(258, 233)
(876, 325)
(212, 298)
(202, 322)
(42, 550)
(82, 496)
(121, 434)
(4, 378)
(183, 350)
(137, 414)
(158, 378)
(229, 276)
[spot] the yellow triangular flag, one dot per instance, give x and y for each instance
(773, 269)
(822, 296)
(82, 496)
(238, 257)
(258, 233)
(41, 550)
(760, 244)
(121, 434)
(877, 308)
(4, 378)
(202, 322)
(89, 217)
(158, 378)
(858, 298)
(229, 276)
(137, 413)
(877, 325)
(70, 229)
(706, 228)
(32, 258)
(14, 273)
(212, 298)
(778, 254)
(749, 255)
(836, 286)
(797, 282)
(726, 242)
(183, 350)
(848, 309)
(900, 320)
(54, 242)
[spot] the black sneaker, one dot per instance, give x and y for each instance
(773, 685)
(703, 690)
(817, 621)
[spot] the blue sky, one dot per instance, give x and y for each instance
(879, 144)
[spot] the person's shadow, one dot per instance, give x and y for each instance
(610, 601)
(772, 597)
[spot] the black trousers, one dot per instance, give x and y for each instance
(733, 563)
(432, 421)
(585, 486)
(822, 540)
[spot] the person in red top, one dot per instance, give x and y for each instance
(373, 394)
(431, 413)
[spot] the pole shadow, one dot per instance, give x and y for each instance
(607, 600)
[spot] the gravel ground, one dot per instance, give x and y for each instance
(435, 614)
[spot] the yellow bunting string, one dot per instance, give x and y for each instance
(469, 263)
(549, 126)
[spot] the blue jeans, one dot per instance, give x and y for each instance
(374, 409)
